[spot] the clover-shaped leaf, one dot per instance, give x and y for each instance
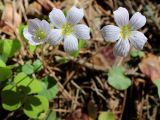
(50, 88)
(117, 79)
(11, 100)
(26, 84)
(35, 105)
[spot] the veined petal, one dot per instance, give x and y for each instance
(75, 15)
(70, 44)
(45, 26)
(121, 48)
(29, 37)
(110, 33)
(138, 39)
(82, 31)
(55, 36)
(137, 21)
(33, 25)
(57, 17)
(121, 16)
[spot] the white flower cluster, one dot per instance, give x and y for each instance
(68, 29)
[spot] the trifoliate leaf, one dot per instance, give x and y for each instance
(37, 65)
(11, 100)
(9, 48)
(117, 79)
(27, 68)
(2, 64)
(51, 115)
(50, 88)
(26, 84)
(5, 73)
(35, 106)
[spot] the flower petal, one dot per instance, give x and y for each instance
(121, 48)
(110, 33)
(55, 36)
(137, 21)
(70, 44)
(121, 16)
(45, 26)
(75, 15)
(29, 37)
(82, 31)
(138, 39)
(57, 17)
(33, 25)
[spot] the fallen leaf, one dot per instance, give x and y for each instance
(150, 66)
(11, 16)
(104, 58)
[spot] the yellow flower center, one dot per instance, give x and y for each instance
(125, 31)
(40, 34)
(67, 29)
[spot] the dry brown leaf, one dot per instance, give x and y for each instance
(104, 58)
(11, 17)
(150, 66)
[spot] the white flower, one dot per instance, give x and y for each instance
(126, 32)
(68, 28)
(37, 31)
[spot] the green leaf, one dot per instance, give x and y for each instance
(2, 64)
(35, 106)
(62, 60)
(81, 43)
(117, 70)
(75, 54)
(5, 73)
(137, 54)
(157, 83)
(27, 85)
(11, 100)
(51, 115)
(117, 79)
(9, 48)
(37, 65)
(32, 48)
(106, 116)
(50, 88)
(20, 29)
(27, 68)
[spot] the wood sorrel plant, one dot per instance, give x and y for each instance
(126, 32)
(67, 28)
